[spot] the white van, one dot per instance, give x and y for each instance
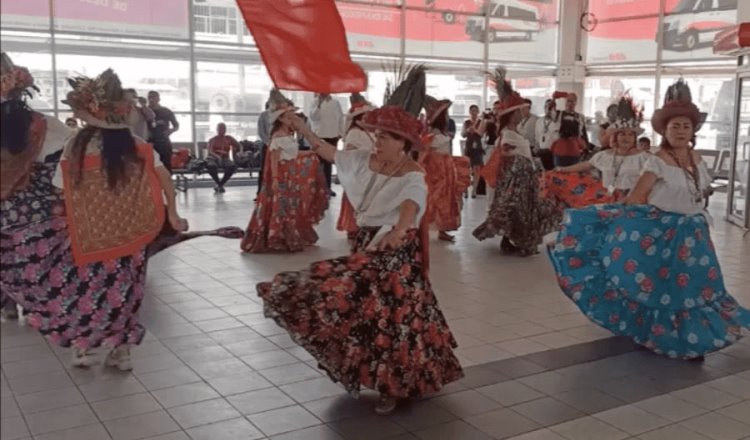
(508, 19)
(693, 22)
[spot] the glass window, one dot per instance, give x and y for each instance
(690, 28)
(428, 34)
(600, 92)
(612, 10)
(231, 88)
(241, 127)
(219, 20)
(623, 41)
(522, 31)
(171, 78)
(27, 14)
(370, 28)
(715, 96)
(163, 18)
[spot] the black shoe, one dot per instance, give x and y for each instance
(332, 194)
(222, 190)
(217, 189)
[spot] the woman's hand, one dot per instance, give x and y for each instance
(392, 240)
(178, 223)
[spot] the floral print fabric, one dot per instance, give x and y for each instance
(650, 275)
(577, 190)
(285, 221)
(369, 319)
(447, 178)
(518, 213)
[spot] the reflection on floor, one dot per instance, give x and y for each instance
(213, 368)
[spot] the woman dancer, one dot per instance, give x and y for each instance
(649, 271)
(371, 319)
(81, 275)
(355, 139)
(620, 165)
(294, 195)
(30, 147)
(517, 212)
(447, 177)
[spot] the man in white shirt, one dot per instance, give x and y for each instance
(527, 126)
(327, 121)
(547, 132)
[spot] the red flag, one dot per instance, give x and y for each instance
(303, 45)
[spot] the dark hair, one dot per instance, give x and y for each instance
(528, 101)
(130, 91)
(355, 120)
(441, 121)
(71, 120)
(16, 121)
(473, 106)
(504, 121)
(153, 92)
(277, 125)
(644, 139)
(118, 151)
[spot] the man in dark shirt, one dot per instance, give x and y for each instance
(164, 125)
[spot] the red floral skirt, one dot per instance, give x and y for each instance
(447, 178)
(285, 221)
(370, 319)
(347, 221)
(577, 190)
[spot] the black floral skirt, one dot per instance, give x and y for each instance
(370, 319)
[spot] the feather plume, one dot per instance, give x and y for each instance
(679, 91)
(407, 88)
(277, 99)
(498, 79)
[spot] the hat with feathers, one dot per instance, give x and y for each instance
(279, 104)
(359, 106)
(100, 101)
(678, 101)
(15, 81)
(629, 116)
(509, 99)
(401, 104)
(434, 107)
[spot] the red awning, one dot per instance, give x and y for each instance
(734, 41)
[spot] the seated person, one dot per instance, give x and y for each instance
(218, 156)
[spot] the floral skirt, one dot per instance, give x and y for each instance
(369, 319)
(577, 190)
(650, 275)
(447, 178)
(285, 221)
(79, 306)
(347, 221)
(518, 213)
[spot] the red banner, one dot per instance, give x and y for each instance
(303, 45)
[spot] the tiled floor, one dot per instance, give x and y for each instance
(213, 368)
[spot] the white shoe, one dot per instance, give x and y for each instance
(119, 358)
(385, 406)
(83, 359)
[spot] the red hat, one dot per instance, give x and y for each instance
(434, 108)
(394, 119)
(510, 100)
(559, 94)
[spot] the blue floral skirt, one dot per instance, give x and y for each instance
(650, 275)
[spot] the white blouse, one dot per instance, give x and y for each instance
(287, 145)
(353, 168)
(620, 172)
(511, 137)
(359, 139)
(441, 143)
(57, 135)
(674, 190)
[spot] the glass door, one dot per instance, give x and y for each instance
(738, 162)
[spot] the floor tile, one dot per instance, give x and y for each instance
(237, 384)
(707, 397)
(290, 374)
(547, 411)
(589, 400)
(52, 399)
(541, 434)
(588, 428)
(110, 389)
(254, 402)
(672, 432)
(631, 419)
(60, 419)
(671, 408)
(90, 432)
(168, 378)
(314, 389)
(420, 415)
(717, 427)
(503, 423)
(141, 426)
(314, 433)
(236, 429)
(739, 411)
(510, 393)
(203, 413)
(283, 420)
(269, 359)
(457, 429)
(184, 394)
(125, 406)
(13, 428)
(367, 428)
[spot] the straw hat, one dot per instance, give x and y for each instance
(678, 101)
